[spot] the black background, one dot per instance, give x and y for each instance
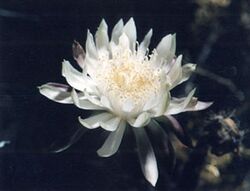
(35, 36)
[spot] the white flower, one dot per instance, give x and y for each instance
(127, 84)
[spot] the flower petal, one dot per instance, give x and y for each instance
(73, 77)
(164, 147)
(94, 121)
(113, 141)
(162, 104)
(56, 148)
(111, 125)
(187, 70)
(173, 46)
(78, 53)
(196, 105)
(101, 36)
(149, 104)
(117, 31)
(123, 42)
(84, 103)
(105, 102)
(128, 105)
(57, 92)
(178, 105)
(166, 48)
(189, 103)
(146, 156)
(90, 46)
(142, 120)
(144, 44)
(130, 30)
(175, 72)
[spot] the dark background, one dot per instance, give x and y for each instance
(35, 36)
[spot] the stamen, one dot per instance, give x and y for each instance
(125, 77)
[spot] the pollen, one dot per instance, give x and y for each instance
(125, 77)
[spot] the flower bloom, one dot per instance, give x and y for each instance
(127, 84)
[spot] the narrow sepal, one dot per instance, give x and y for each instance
(146, 156)
(113, 141)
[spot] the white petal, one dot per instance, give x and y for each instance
(78, 54)
(173, 45)
(149, 104)
(57, 92)
(84, 103)
(142, 120)
(111, 125)
(188, 98)
(175, 72)
(166, 47)
(124, 42)
(117, 31)
(93, 99)
(91, 64)
(187, 70)
(190, 103)
(130, 30)
(146, 156)
(73, 77)
(113, 141)
(95, 120)
(162, 104)
(144, 44)
(128, 105)
(105, 102)
(90, 46)
(101, 36)
(196, 105)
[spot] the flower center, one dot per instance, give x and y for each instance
(126, 78)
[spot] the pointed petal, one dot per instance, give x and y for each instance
(57, 92)
(94, 121)
(195, 105)
(149, 104)
(101, 36)
(144, 44)
(113, 141)
(175, 72)
(117, 31)
(124, 42)
(130, 31)
(178, 105)
(84, 103)
(189, 103)
(142, 120)
(146, 156)
(166, 47)
(55, 148)
(93, 99)
(78, 53)
(73, 77)
(173, 45)
(111, 125)
(105, 102)
(162, 104)
(164, 147)
(187, 70)
(90, 46)
(180, 74)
